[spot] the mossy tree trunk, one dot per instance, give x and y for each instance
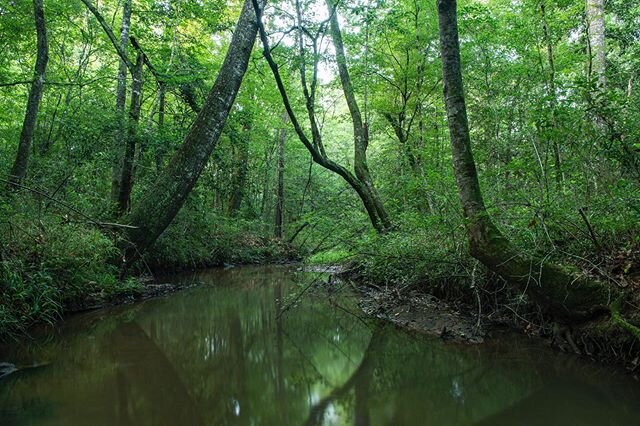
(567, 296)
(21, 163)
(159, 205)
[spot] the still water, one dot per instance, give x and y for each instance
(242, 349)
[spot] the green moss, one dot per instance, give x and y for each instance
(616, 317)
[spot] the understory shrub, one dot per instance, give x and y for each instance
(200, 239)
(51, 264)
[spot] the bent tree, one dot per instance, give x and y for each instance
(361, 181)
(21, 163)
(568, 297)
(159, 205)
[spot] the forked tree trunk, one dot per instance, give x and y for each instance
(21, 163)
(360, 129)
(162, 201)
(566, 296)
(375, 211)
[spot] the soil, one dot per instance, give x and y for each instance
(423, 313)
(457, 322)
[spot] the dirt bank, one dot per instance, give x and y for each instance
(459, 323)
(423, 313)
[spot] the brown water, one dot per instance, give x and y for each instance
(220, 354)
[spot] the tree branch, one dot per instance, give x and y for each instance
(107, 29)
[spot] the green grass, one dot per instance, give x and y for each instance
(329, 257)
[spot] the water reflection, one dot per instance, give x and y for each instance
(232, 352)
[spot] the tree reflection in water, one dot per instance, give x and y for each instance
(228, 353)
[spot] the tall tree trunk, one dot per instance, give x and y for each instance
(597, 52)
(360, 128)
(567, 297)
(21, 163)
(126, 178)
(279, 216)
(121, 99)
(160, 204)
(551, 90)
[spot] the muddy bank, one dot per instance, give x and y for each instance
(600, 341)
(423, 313)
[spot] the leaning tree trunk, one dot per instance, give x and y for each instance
(21, 163)
(121, 99)
(161, 202)
(315, 145)
(567, 297)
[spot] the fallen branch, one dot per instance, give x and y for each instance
(592, 233)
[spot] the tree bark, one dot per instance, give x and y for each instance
(566, 296)
(21, 163)
(121, 99)
(126, 173)
(160, 204)
(360, 129)
(597, 48)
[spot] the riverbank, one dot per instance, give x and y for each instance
(53, 267)
(430, 311)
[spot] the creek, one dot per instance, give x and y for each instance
(243, 348)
